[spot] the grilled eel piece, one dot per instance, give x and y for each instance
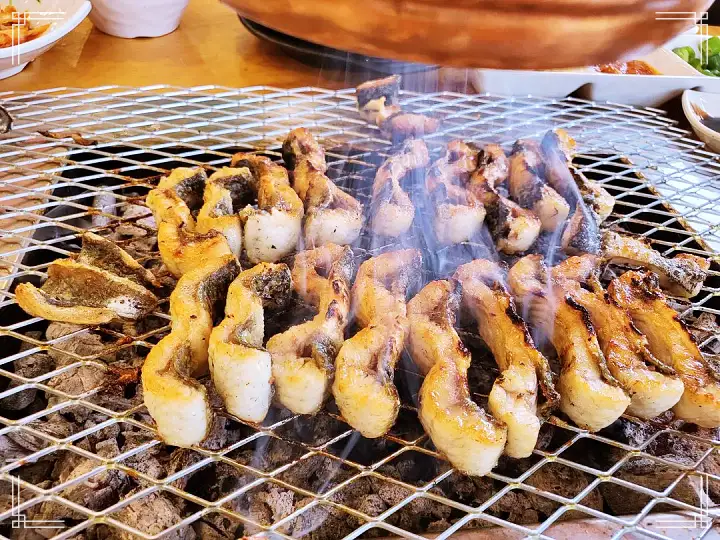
(103, 283)
(181, 246)
(378, 104)
(459, 214)
(589, 394)
(303, 357)
(240, 367)
(331, 215)
(470, 438)
(582, 232)
(513, 398)
(647, 380)
(107, 255)
(177, 402)
(363, 389)
(682, 275)
(530, 191)
(394, 211)
(639, 293)
(223, 190)
(272, 230)
(513, 228)
(557, 148)
(83, 294)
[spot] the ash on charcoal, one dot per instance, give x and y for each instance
(526, 507)
(152, 515)
(703, 328)
(30, 366)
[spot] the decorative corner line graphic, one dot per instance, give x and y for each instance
(20, 19)
(699, 18)
(695, 520)
(20, 520)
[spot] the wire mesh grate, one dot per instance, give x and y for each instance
(80, 448)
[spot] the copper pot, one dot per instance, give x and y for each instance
(520, 34)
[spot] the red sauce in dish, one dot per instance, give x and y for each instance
(633, 67)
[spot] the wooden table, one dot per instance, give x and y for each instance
(211, 46)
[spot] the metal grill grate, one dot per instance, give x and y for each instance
(666, 190)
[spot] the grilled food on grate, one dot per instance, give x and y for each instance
(331, 215)
(218, 211)
(378, 104)
(669, 340)
(181, 246)
(465, 433)
(271, 230)
(531, 191)
(303, 357)
(364, 390)
(176, 400)
(241, 368)
(458, 213)
(590, 395)
(514, 395)
(650, 383)
(101, 285)
(681, 276)
(513, 228)
(394, 211)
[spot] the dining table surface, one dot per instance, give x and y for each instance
(210, 47)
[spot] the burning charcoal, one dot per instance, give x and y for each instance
(704, 328)
(565, 482)
(84, 344)
(96, 493)
(653, 475)
(526, 507)
(30, 367)
(152, 515)
(11, 450)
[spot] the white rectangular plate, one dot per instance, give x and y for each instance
(639, 90)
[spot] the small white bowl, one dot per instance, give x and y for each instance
(693, 102)
(63, 16)
(137, 18)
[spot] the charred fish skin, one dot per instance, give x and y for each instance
(363, 388)
(241, 368)
(646, 379)
(301, 145)
(387, 88)
(590, 396)
(639, 293)
(582, 232)
(513, 228)
(471, 439)
(188, 183)
(107, 255)
(83, 294)
(682, 276)
(174, 398)
(530, 191)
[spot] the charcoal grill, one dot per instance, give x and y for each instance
(666, 188)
